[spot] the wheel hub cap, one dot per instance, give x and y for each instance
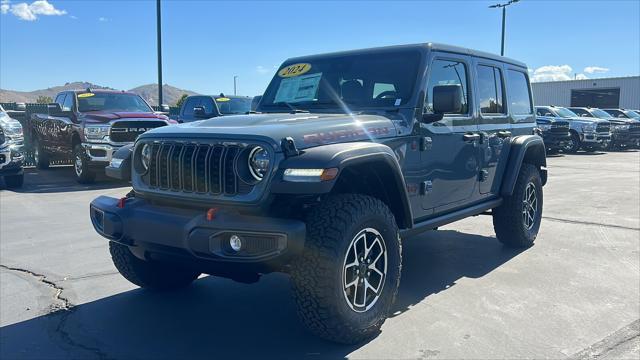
(529, 206)
(364, 270)
(78, 165)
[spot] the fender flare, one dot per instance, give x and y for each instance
(525, 148)
(343, 156)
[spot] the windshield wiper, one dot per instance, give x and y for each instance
(294, 110)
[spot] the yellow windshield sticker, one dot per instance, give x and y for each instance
(86, 95)
(222, 99)
(294, 70)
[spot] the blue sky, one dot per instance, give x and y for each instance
(112, 43)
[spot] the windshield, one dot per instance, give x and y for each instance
(111, 102)
(229, 106)
(346, 82)
(565, 113)
(600, 114)
(632, 114)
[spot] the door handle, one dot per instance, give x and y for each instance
(503, 134)
(471, 137)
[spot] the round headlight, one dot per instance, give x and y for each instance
(258, 162)
(145, 156)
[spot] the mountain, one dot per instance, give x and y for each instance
(148, 92)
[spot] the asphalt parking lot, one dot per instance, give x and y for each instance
(576, 293)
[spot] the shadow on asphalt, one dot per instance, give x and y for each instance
(218, 318)
(61, 179)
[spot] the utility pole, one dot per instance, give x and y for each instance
(159, 36)
(504, 16)
(235, 84)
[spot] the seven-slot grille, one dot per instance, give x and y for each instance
(560, 127)
(128, 131)
(603, 128)
(195, 168)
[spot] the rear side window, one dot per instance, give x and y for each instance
(189, 105)
(519, 96)
(448, 72)
(617, 113)
(581, 112)
(490, 90)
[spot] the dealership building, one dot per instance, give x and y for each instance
(618, 92)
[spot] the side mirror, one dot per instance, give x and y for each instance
(446, 99)
(21, 107)
(165, 108)
(622, 116)
(54, 109)
(199, 112)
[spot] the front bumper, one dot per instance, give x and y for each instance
(11, 162)
(555, 140)
(100, 152)
(596, 139)
(188, 234)
(625, 138)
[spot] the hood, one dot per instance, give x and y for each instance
(307, 130)
(107, 116)
(587, 120)
(620, 121)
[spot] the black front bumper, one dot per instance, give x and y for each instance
(555, 140)
(187, 234)
(625, 138)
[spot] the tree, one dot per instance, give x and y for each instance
(44, 100)
(181, 100)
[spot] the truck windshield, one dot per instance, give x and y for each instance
(601, 114)
(345, 82)
(565, 113)
(111, 102)
(632, 114)
(228, 106)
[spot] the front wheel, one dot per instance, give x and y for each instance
(346, 281)
(14, 181)
(84, 175)
(517, 221)
(573, 144)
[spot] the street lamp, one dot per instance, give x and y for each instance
(235, 88)
(504, 14)
(159, 36)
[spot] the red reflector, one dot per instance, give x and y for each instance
(121, 202)
(211, 213)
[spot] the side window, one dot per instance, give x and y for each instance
(540, 112)
(60, 99)
(207, 104)
(447, 72)
(581, 112)
(189, 105)
(67, 105)
(519, 96)
(490, 90)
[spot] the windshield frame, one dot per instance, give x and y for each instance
(149, 109)
(332, 105)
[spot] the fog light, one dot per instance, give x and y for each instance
(235, 242)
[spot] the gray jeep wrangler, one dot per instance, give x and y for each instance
(349, 154)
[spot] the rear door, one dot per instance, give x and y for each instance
(493, 123)
(450, 164)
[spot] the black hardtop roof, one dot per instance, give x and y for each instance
(227, 96)
(423, 46)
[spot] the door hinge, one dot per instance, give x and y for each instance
(426, 187)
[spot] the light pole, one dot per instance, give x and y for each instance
(159, 36)
(235, 86)
(504, 14)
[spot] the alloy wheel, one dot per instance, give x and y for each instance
(529, 206)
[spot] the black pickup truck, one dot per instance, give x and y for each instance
(88, 126)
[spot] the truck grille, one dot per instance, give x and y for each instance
(128, 131)
(603, 128)
(196, 168)
(2, 138)
(634, 128)
(560, 127)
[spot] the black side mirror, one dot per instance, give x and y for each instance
(446, 99)
(165, 108)
(21, 107)
(54, 109)
(199, 112)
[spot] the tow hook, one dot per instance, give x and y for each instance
(289, 147)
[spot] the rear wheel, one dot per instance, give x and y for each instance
(346, 281)
(40, 157)
(517, 220)
(148, 274)
(84, 175)
(14, 181)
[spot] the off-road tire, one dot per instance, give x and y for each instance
(508, 220)
(149, 274)
(317, 275)
(84, 174)
(40, 156)
(576, 144)
(14, 181)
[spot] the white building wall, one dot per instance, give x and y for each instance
(559, 92)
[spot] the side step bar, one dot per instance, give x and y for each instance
(450, 217)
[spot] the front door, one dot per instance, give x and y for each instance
(450, 163)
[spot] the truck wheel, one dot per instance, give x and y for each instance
(147, 274)
(14, 181)
(40, 157)
(517, 220)
(573, 144)
(346, 281)
(84, 175)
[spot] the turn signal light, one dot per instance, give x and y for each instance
(211, 213)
